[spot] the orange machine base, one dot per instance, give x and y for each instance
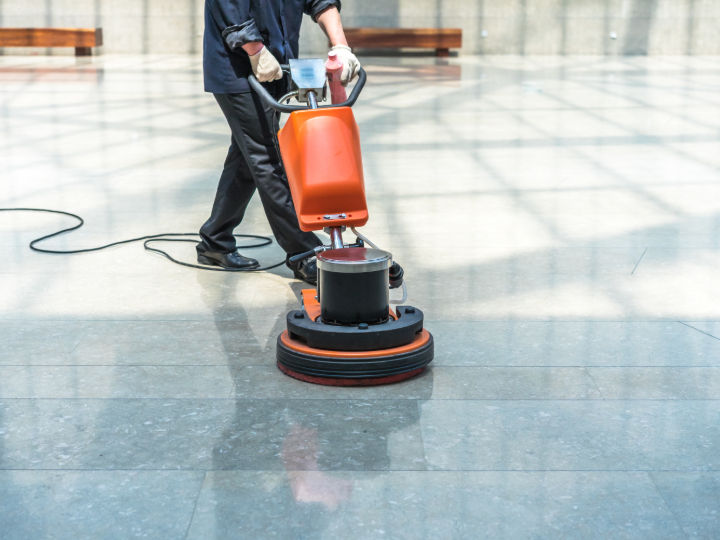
(372, 381)
(354, 368)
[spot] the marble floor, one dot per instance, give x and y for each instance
(558, 219)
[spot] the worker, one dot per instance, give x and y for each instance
(256, 36)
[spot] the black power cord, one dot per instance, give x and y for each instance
(265, 241)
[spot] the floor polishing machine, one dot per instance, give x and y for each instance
(346, 333)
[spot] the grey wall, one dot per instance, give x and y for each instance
(512, 26)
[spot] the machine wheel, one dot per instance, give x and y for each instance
(344, 368)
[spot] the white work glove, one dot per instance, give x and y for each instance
(351, 65)
(265, 66)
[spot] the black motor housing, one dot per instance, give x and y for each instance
(353, 286)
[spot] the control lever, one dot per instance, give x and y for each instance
(396, 275)
(334, 68)
(302, 256)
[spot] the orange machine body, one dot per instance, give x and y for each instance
(321, 152)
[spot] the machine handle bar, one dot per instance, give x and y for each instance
(272, 102)
(301, 256)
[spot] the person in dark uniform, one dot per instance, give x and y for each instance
(256, 36)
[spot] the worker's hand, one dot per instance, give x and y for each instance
(351, 65)
(265, 66)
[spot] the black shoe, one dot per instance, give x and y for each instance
(305, 270)
(228, 260)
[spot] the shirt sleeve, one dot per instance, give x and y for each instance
(315, 7)
(233, 18)
(241, 34)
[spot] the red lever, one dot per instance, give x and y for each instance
(334, 68)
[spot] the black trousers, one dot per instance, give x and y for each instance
(253, 162)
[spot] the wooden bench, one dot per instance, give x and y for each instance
(440, 39)
(83, 39)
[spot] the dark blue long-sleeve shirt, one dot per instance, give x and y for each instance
(230, 24)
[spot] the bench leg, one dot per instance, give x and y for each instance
(442, 53)
(83, 51)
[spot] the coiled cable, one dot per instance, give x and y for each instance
(147, 240)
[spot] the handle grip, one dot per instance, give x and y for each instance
(271, 102)
(300, 256)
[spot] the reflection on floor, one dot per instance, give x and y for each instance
(559, 223)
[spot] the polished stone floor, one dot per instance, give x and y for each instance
(559, 222)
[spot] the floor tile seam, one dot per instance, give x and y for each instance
(616, 108)
(639, 260)
(80, 321)
(698, 330)
(234, 373)
(587, 370)
(97, 273)
(537, 321)
(239, 368)
(653, 367)
(80, 339)
(420, 471)
(422, 436)
(420, 398)
(380, 195)
(501, 366)
(431, 321)
(669, 508)
(596, 276)
(127, 365)
(547, 140)
(644, 455)
(197, 497)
